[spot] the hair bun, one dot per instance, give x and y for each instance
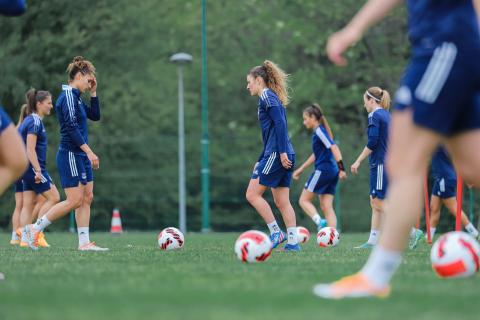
(78, 59)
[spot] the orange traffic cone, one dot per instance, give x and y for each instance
(116, 222)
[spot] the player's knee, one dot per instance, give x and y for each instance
(251, 196)
(325, 207)
(88, 198)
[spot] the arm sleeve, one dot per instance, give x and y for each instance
(70, 120)
(373, 133)
(279, 123)
(324, 137)
(93, 111)
(34, 127)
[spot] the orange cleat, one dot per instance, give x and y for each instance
(42, 242)
(354, 286)
(14, 242)
(23, 244)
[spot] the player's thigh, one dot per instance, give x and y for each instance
(465, 152)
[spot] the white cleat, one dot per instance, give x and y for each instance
(32, 236)
(2, 276)
(91, 246)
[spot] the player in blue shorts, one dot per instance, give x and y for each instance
(328, 168)
(75, 158)
(438, 102)
(274, 167)
(444, 192)
(36, 180)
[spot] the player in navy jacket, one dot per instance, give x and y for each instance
(275, 165)
(329, 168)
(444, 191)
(36, 180)
(437, 102)
(75, 158)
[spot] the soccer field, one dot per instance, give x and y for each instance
(135, 280)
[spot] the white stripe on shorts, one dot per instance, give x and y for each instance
(437, 72)
(314, 181)
(380, 177)
(442, 185)
(73, 164)
(269, 164)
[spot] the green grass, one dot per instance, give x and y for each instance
(204, 280)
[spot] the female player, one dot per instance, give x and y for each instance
(36, 180)
(75, 158)
(444, 192)
(275, 164)
(436, 102)
(18, 190)
(328, 168)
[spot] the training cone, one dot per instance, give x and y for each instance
(116, 222)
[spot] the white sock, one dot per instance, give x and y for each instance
(273, 227)
(472, 230)
(316, 218)
(41, 223)
(373, 237)
(14, 236)
(381, 266)
(292, 235)
(83, 236)
(413, 232)
(24, 235)
(432, 232)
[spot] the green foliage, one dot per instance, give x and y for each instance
(130, 43)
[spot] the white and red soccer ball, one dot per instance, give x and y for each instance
(253, 246)
(303, 235)
(328, 237)
(170, 239)
(455, 255)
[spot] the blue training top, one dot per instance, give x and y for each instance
(442, 166)
(72, 114)
(12, 7)
(432, 22)
(377, 132)
(33, 124)
(321, 144)
(273, 122)
(4, 120)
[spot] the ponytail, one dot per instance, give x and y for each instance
(315, 110)
(275, 79)
(34, 96)
(382, 97)
(23, 114)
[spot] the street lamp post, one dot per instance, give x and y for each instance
(180, 59)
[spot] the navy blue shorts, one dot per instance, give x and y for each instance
(444, 188)
(73, 169)
(271, 172)
(30, 185)
(378, 182)
(18, 186)
(322, 182)
(443, 90)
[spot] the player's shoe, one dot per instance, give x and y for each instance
(414, 240)
(91, 246)
(366, 245)
(42, 242)
(277, 238)
(32, 236)
(322, 224)
(23, 244)
(354, 286)
(292, 247)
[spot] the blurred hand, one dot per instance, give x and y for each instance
(296, 174)
(339, 42)
(93, 85)
(354, 167)
(94, 160)
(342, 175)
(38, 176)
(286, 163)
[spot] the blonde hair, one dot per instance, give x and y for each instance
(275, 78)
(382, 97)
(315, 110)
(80, 64)
(23, 114)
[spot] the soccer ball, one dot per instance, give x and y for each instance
(455, 255)
(170, 239)
(303, 235)
(253, 246)
(328, 237)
